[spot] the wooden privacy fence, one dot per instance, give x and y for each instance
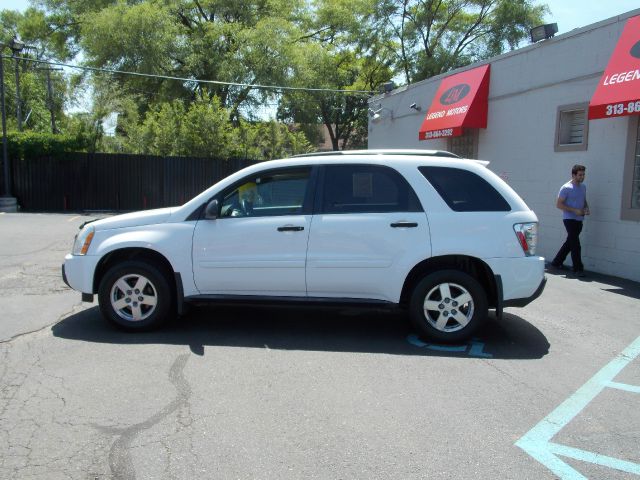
(115, 182)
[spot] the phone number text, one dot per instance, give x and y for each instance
(622, 108)
(447, 132)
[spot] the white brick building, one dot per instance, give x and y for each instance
(538, 128)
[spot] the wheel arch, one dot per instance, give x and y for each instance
(139, 254)
(464, 263)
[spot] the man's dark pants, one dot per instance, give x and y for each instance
(572, 244)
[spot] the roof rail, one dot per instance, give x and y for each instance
(424, 153)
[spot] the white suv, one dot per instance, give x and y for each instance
(443, 237)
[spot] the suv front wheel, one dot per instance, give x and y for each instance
(135, 295)
(448, 305)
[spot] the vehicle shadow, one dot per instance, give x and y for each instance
(303, 328)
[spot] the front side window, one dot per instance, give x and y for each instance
(281, 192)
(465, 191)
(366, 189)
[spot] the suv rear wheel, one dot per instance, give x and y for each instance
(448, 305)
(135, 295)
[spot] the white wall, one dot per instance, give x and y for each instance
(527, 87)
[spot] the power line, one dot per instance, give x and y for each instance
(195, 80)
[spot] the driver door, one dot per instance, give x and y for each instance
(258, 243)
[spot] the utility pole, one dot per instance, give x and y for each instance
(16, 47)
(7, 202)
(50, 104)
(5, 156)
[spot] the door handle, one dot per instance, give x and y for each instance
(404, 224)
(290, 228)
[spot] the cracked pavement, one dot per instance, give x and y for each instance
(285, 393)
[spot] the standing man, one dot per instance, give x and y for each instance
(572, 200)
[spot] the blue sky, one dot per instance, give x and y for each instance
(568, 14)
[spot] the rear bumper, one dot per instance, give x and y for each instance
(521, 277)
(523, 302)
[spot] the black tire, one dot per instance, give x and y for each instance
(135, 309)
(451, 317)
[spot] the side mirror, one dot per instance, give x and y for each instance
(212, 210)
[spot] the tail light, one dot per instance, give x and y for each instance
(527, 234)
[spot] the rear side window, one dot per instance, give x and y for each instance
(464, 191)
(366, 189)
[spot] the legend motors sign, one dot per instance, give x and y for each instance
(618, 93)
(460, 102)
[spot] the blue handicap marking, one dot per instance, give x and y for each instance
(476, 350)
(538, 442)
(475, 347)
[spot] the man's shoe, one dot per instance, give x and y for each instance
(579, 273)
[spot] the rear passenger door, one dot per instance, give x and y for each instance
(367, 232)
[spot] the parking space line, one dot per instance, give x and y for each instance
(595, 458)
(624, 386)
(537, 441)
(73, 218)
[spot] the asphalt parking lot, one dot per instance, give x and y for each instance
(551, 391)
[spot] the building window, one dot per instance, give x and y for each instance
(572, 128)
(631, 185)
(466, 145)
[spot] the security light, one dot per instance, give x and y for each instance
(543, 32)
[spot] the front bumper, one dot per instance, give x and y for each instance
(86, 297)
(64, 277)
(78, 271)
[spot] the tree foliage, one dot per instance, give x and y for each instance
(318, 47)
(44, 90)
(434, 36)
(340, 51)
(29, 144)
(202, 129)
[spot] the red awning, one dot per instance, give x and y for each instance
(618, 92)
(460, 102)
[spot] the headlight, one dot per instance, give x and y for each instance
(83, 240)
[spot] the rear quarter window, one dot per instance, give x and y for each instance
(465, 191)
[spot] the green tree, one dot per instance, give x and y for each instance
(341, 51)
(44, 40)
(249, 42)
(269, 140)
(354, 45)
(434, 36)
(268, 42)
(203, 129)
